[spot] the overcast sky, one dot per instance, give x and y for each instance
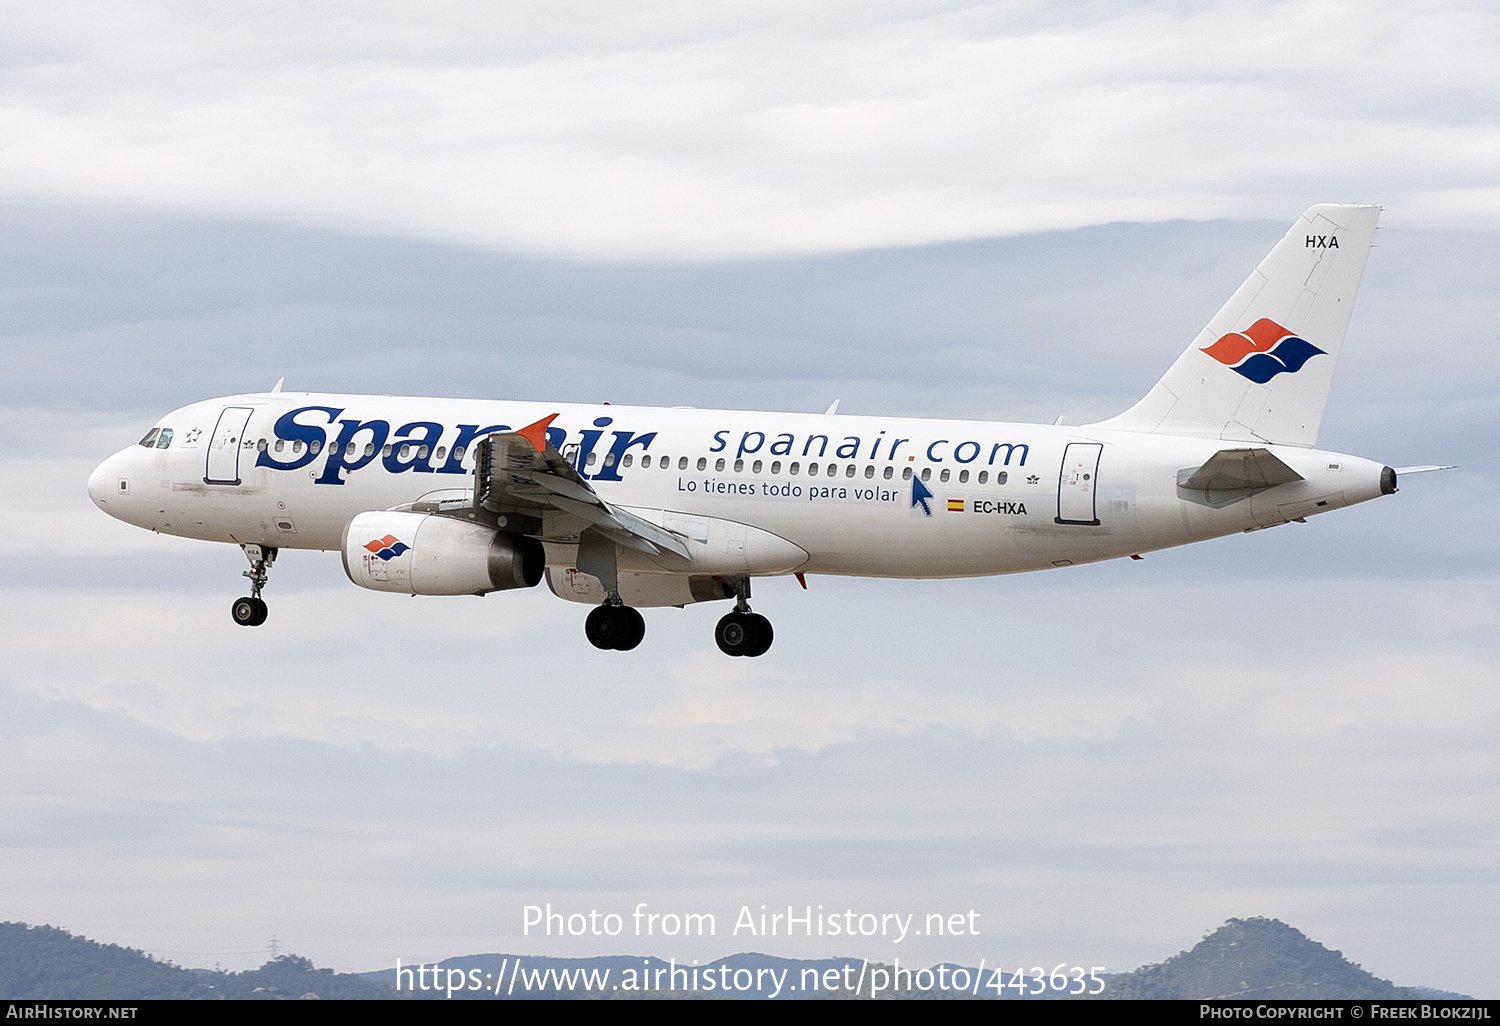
(677, 205)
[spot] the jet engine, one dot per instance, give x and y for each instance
(427, 554)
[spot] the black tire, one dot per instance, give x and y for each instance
(736, 634)
(634, 630)
(764, 635)
(248, 612)
(603, 628)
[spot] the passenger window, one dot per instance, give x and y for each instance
(906, 473)
(889, 471)
(629, 459)
(442, 451)
(351, 449)
(261, 445)
(645, 462)
(314, 447)
(369, 448)
(739, 465)
(869, 472)
(984, 475)
(593, 458)
(719, 464)
(280, 444)
(793, 468)
(1001, 477)
(459, 453)
(755, 467)
(404, 453)
(149, 440)
(164, 439)
(775, 466)
(926, 473)
(849, 470)
(963, 477)
(702, 463)
(609, 459)
(812, 470)
(945, 475)
(297, 447)
(385, 450)
(422, 453)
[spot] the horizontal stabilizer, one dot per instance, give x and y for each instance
(1230, 475)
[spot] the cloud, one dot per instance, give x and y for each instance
(663, 130)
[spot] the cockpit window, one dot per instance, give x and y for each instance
(149, 440)
(164, 439)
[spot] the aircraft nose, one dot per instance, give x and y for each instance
(106, 481)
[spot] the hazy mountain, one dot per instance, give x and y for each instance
(45, 962)
(1255, 959)
(1244, 959)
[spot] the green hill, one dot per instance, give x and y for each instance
(1253, 959)
(40, 962)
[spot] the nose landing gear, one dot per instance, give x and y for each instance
(741, 632)
(250, 611)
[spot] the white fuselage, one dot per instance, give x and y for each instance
(291, 470)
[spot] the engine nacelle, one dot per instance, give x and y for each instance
(425, 554)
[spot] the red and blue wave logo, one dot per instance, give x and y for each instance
(1262, 351)
(387, 548)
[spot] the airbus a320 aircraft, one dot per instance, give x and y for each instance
(626, 507)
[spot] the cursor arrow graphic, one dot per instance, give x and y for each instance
(920, 494)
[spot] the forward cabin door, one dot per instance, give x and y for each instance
(1078, 482)
(224, 448)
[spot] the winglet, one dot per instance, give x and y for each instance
(536, 433)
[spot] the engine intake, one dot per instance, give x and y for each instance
(426, 554)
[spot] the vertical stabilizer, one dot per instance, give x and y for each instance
(1261, 370)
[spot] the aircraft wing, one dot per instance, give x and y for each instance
(521, 471)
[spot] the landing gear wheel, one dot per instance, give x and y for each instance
(248, 611)
(601, 628)
(617, 627)
(635, 628)
(764, 634)
(736, 634)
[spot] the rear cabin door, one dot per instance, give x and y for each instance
(1076, 486)
(224, 448)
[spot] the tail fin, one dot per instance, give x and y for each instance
(1261, 370)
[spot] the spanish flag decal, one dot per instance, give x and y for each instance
(955, 505)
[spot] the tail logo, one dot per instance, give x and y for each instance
(387, 548)
(1262, 351)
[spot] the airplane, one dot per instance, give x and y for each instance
(625, 507)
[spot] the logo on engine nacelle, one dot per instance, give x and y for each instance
(387, 548)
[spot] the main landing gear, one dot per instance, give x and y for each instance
(250, 611)
(615, 625)
(741, 632)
